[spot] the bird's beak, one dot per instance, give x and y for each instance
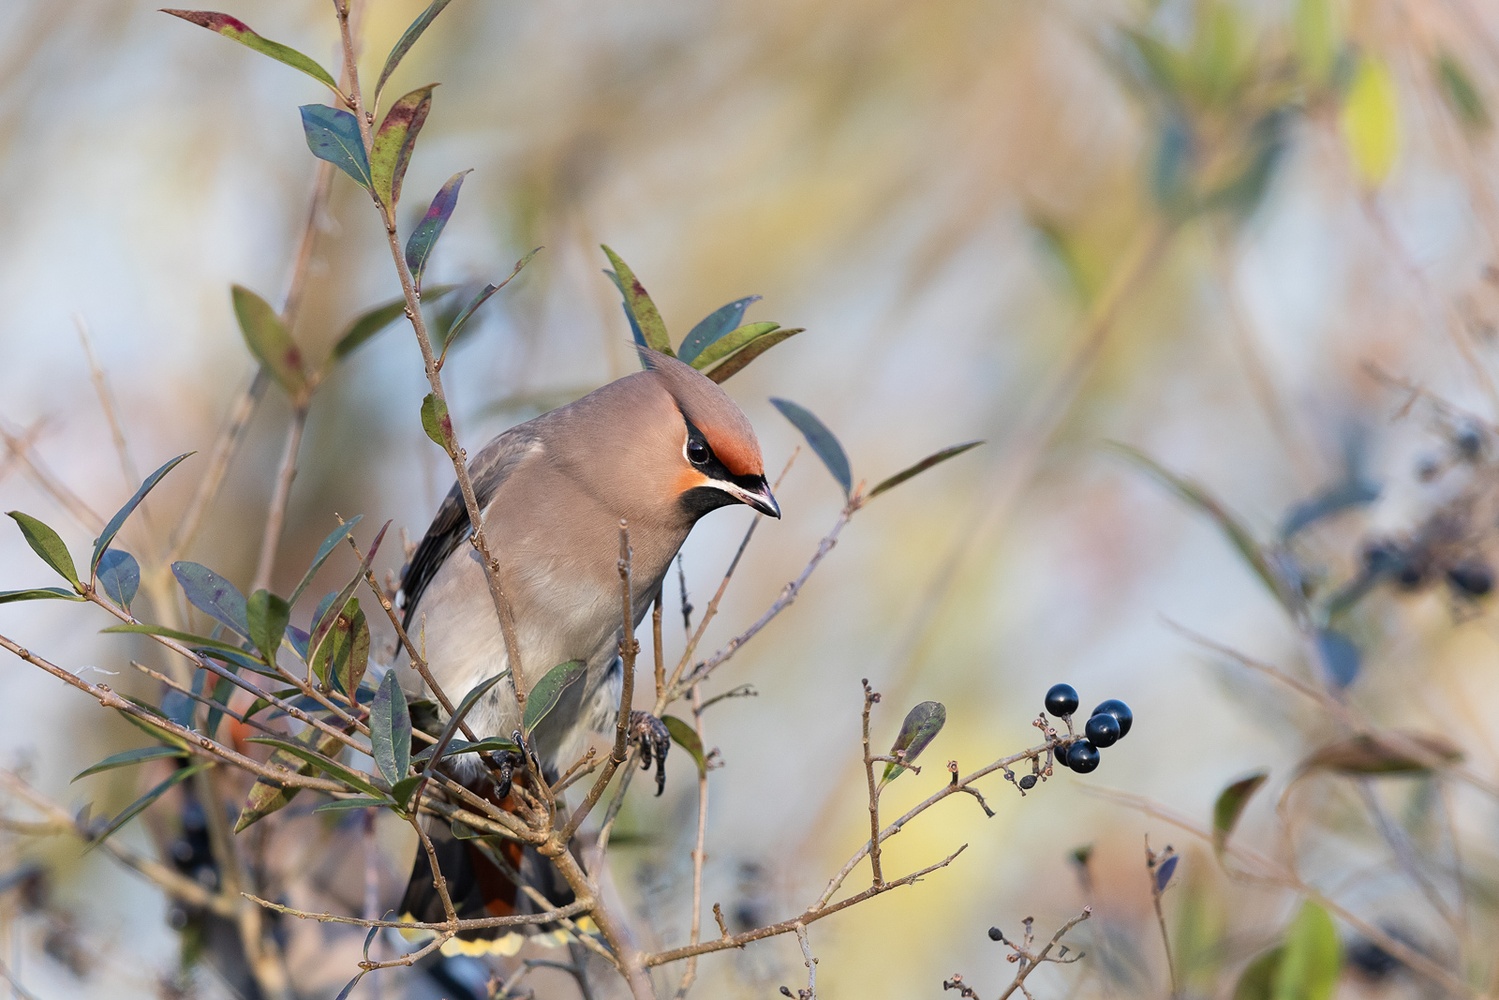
(756, 495)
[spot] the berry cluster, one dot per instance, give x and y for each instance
(1108, 724)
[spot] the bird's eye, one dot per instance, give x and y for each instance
(697, 452)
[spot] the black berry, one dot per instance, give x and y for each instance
(1027, 781)
(1121, 713)
(995, 934)
(1103, 730)
(1472, 578)
(1061, 700)
(1082, 757)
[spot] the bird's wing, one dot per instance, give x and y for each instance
(451, 527)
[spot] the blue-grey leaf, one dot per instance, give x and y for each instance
(324, 550)
(921, 726)
(424, 237)
(333, 135)
(390, 729)
(548, 691)
(1164, 872)
(118, 521)
(724, 319)
(821, 440)
(119, 576)
(1340, 657)
(214, 596)
(267, 616)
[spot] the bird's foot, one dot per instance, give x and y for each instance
(649, 733)
(503, 765)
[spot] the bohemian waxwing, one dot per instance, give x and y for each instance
(657, 449)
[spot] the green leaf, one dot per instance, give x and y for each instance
(920, 467)
(408, 38)
(1257, 981)
(149, 728)
(490, 744)
(394, 141)
(191, 641)
(684, 736)
(268, 340)
(1370, 121)
(401, 791)
(1238, 535)
(645, 318)
(267, 796)
(462, 709)
(1460, 93)
(367, 324)
(544, 696)
(361, 802)
(118, 521)
(324, 550)
(1312, 957)
(333, 135)
(1230, 806)
(390, 729)
(128, 757)
(741, 358)
(435, 420)
(922, 725)
(725, 345)
(325, 622)
(141, 804)
(214, 596)
(322, 762)
(231, 27)
(1317, 39)
(46, 543)
(423, 238)
(342, 660)
(821, 440)
(456, 327)
(268, 616)
(1394, 752)
(38, 594)
(119, 576)
(714, 327)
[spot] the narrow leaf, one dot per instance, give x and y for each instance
(920, 467)
(435, 420)
(394, 141)
(38, 594)
(1312, 957)
(324, 623)
(408, 38)
(684, 736)
(737, 361)
(645, 318)
(367, 324)
(119, 576)
(732, 341)
(333, 135)
(214, 596)
(1257, 981)
(822, 441)
(322, 762)
(713, 327)
(462, 709)
(490, 744)
(126, 758)
(267, 616)
(1370, 121)
(1230, 806)
(46, 543)
(1340, 657)
(141, 804)
(268, 340)
(151, 729)
(345, 655)
(921, 726)
(268, 796)
(118, 521)
(1396, 752)
(324, 550)
(462, 318)
(390, 729)
(1238, 535)
(191, 641)
(1460, 93)
(424, 237)
(361, 802)
(549, 690)
(1164, 872)
(231, 27)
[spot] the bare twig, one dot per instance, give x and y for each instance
(871, 698)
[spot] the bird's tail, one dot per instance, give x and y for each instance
(489, 877)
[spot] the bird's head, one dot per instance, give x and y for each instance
(717, 459)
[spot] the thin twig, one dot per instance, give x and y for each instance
(275, 516)
(871, 698)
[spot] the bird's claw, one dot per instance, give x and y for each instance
(650, 734)
(506, 762)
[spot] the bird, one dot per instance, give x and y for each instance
(657, 450)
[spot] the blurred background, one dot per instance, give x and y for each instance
(1252, 239)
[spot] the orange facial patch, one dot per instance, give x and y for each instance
(740, 457)
(690, 479)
